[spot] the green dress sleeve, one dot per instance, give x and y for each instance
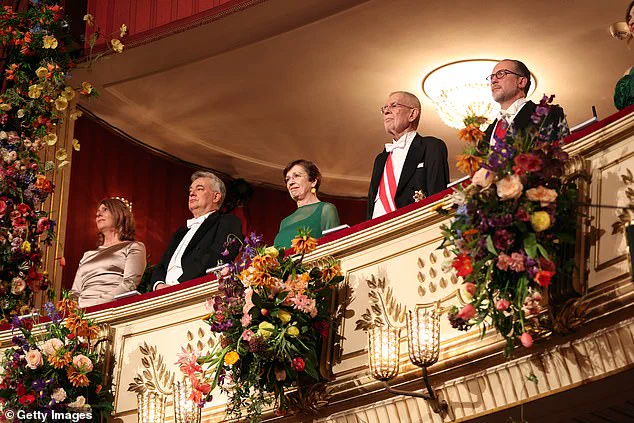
(624, 91)
(329, 216)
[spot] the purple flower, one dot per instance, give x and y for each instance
(16, 323)
(51, 312)
(19, 341)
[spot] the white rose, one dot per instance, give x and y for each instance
(59, 395)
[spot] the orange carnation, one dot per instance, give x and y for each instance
(76, 378)
(330, 272)
(471, 133)
(60, 359)
(66, 306)
(304, 244)
(468, 163)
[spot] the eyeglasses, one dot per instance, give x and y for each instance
(393, 105)
(502, 73)
(294, 176)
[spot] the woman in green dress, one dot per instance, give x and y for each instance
(624, 90)
(302, 178)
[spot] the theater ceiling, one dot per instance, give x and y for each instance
(288, 79)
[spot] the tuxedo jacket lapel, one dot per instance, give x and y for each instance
(202, 231)
(414, 157)
(377, 174)
(523, 118)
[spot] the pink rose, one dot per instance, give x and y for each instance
(502, 304)
(33, 359)
(470, 288)
(467, 312)
(544, 195)
(510, 187)
(526, 339)
(517, 262)
(52, 345)
(82, 363)
(482, 178)
(18, 286)
(43, 224)
(247, 335)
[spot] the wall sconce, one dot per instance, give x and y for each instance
(151, 407)
(423, 339)
(185, 410)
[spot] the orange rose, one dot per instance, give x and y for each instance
(510, 187)
(544, 195)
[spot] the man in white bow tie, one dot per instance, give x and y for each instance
(200, 244)
(411, 167)
(510, 83)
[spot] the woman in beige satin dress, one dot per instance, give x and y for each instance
(118, 263)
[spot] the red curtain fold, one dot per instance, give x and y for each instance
(110, 166)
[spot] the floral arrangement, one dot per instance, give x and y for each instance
(512, 221)
(55, 372)
(271, 314)
(35, 98)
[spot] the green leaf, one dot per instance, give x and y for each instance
(530, 246)
(281, 297)
(311, 370)
(543, 251)
(257, 300)
(490, 246)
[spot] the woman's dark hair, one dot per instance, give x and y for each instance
(123, 219)
(627, 12)
(311, 169)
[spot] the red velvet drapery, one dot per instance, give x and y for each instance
(109, 166)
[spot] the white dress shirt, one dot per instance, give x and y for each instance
(399, 150)
(175, 267)
(509, 114)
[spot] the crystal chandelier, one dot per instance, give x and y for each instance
(460, 89)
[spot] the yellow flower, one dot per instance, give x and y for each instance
(61, 154)
(68, 93)
(49, 41)
(61, 103)
(117, 46)
(90, 20)
(540, 221)
(41, 72)
(35, 91)
(51, 139)
(271, 252)
(76, 114)
(231, 358)
(76, 144)
(284, 316)
(62, 164)
(123, 30)
(292, 331)
(5, 107)
(265, 329)
(26, 247)
(86, 88)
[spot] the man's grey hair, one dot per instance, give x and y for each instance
(216, 183)
(413, 101)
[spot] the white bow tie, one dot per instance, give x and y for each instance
(394, 145)
(195, 221)
(504, 115)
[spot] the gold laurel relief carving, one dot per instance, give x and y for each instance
(384, 309)
(155, 376)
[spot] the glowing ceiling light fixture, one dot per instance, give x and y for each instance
(460, 89)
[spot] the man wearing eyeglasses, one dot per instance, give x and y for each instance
(510, 84)
(409, 168)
